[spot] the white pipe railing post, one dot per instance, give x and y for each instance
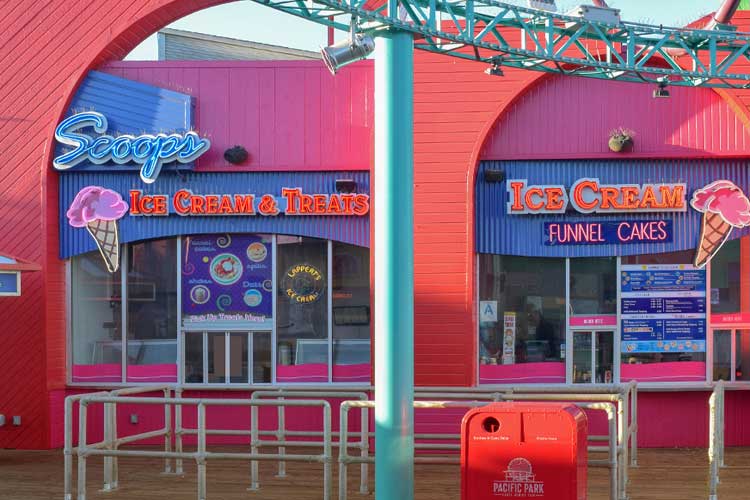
(167, 431)
(200, 456)
(614, 463)
(364, 449)
(68, 448)
(343, 449)
(82, 408)
(713, 476)
(280, 437)
(254, 483)
(622, 445)
(109, 440)
(115, 460)
(178, 431)
(327, 453)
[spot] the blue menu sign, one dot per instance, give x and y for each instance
(10, 283)
(663, 308)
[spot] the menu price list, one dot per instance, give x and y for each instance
(664, 305)
(663, 329)
(651, 280)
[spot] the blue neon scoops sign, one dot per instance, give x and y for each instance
(149, 151)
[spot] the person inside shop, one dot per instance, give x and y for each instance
(489, 346)
(542, 330)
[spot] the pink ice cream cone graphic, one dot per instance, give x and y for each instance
(724, 207)
(98, 209)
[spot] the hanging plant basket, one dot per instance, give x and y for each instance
(621, 140)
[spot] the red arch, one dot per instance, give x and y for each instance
(731, 97)
(48, 47)
(471, 263)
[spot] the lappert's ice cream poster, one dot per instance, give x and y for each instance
(227, 279)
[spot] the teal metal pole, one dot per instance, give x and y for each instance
(394, 267)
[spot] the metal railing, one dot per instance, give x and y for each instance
(345, 459)
(717, 424)
(282, 432)
(620, 399)
(623, 396)
(110, 432)
(108, 447)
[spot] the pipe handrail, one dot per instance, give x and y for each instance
(624, 396)
(107, 448)
(614, 449)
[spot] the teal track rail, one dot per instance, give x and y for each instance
(502, 34)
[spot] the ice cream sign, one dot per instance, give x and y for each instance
(724, 207)
(591, 196)
(149, 151)
(98, 209)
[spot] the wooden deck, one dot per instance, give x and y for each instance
(662, 474)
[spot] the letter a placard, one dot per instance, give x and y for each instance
(488, 310)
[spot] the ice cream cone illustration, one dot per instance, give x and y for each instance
(724, 207)
(98, 210)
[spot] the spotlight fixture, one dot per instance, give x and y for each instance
(661, 91)
(346, 185)
(357, 47)
(494, 70)
(494, 175)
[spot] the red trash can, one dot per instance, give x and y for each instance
(524, 450)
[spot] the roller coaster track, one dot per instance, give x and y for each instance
(502, 34)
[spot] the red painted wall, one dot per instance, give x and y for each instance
(47, 49)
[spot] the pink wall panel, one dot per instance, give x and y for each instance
(288, 115)
(571, 118)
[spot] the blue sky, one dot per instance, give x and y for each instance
(251, 21)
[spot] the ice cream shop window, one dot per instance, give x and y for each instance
(151, 290)
(148, 350)
(96, 316)
(222, 309)
(521, 320)
(730, 278)
(663, 318)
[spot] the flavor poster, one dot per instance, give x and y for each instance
(226, 279)
(663, 308)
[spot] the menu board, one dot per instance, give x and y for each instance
(663, 308)
(226, 279)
